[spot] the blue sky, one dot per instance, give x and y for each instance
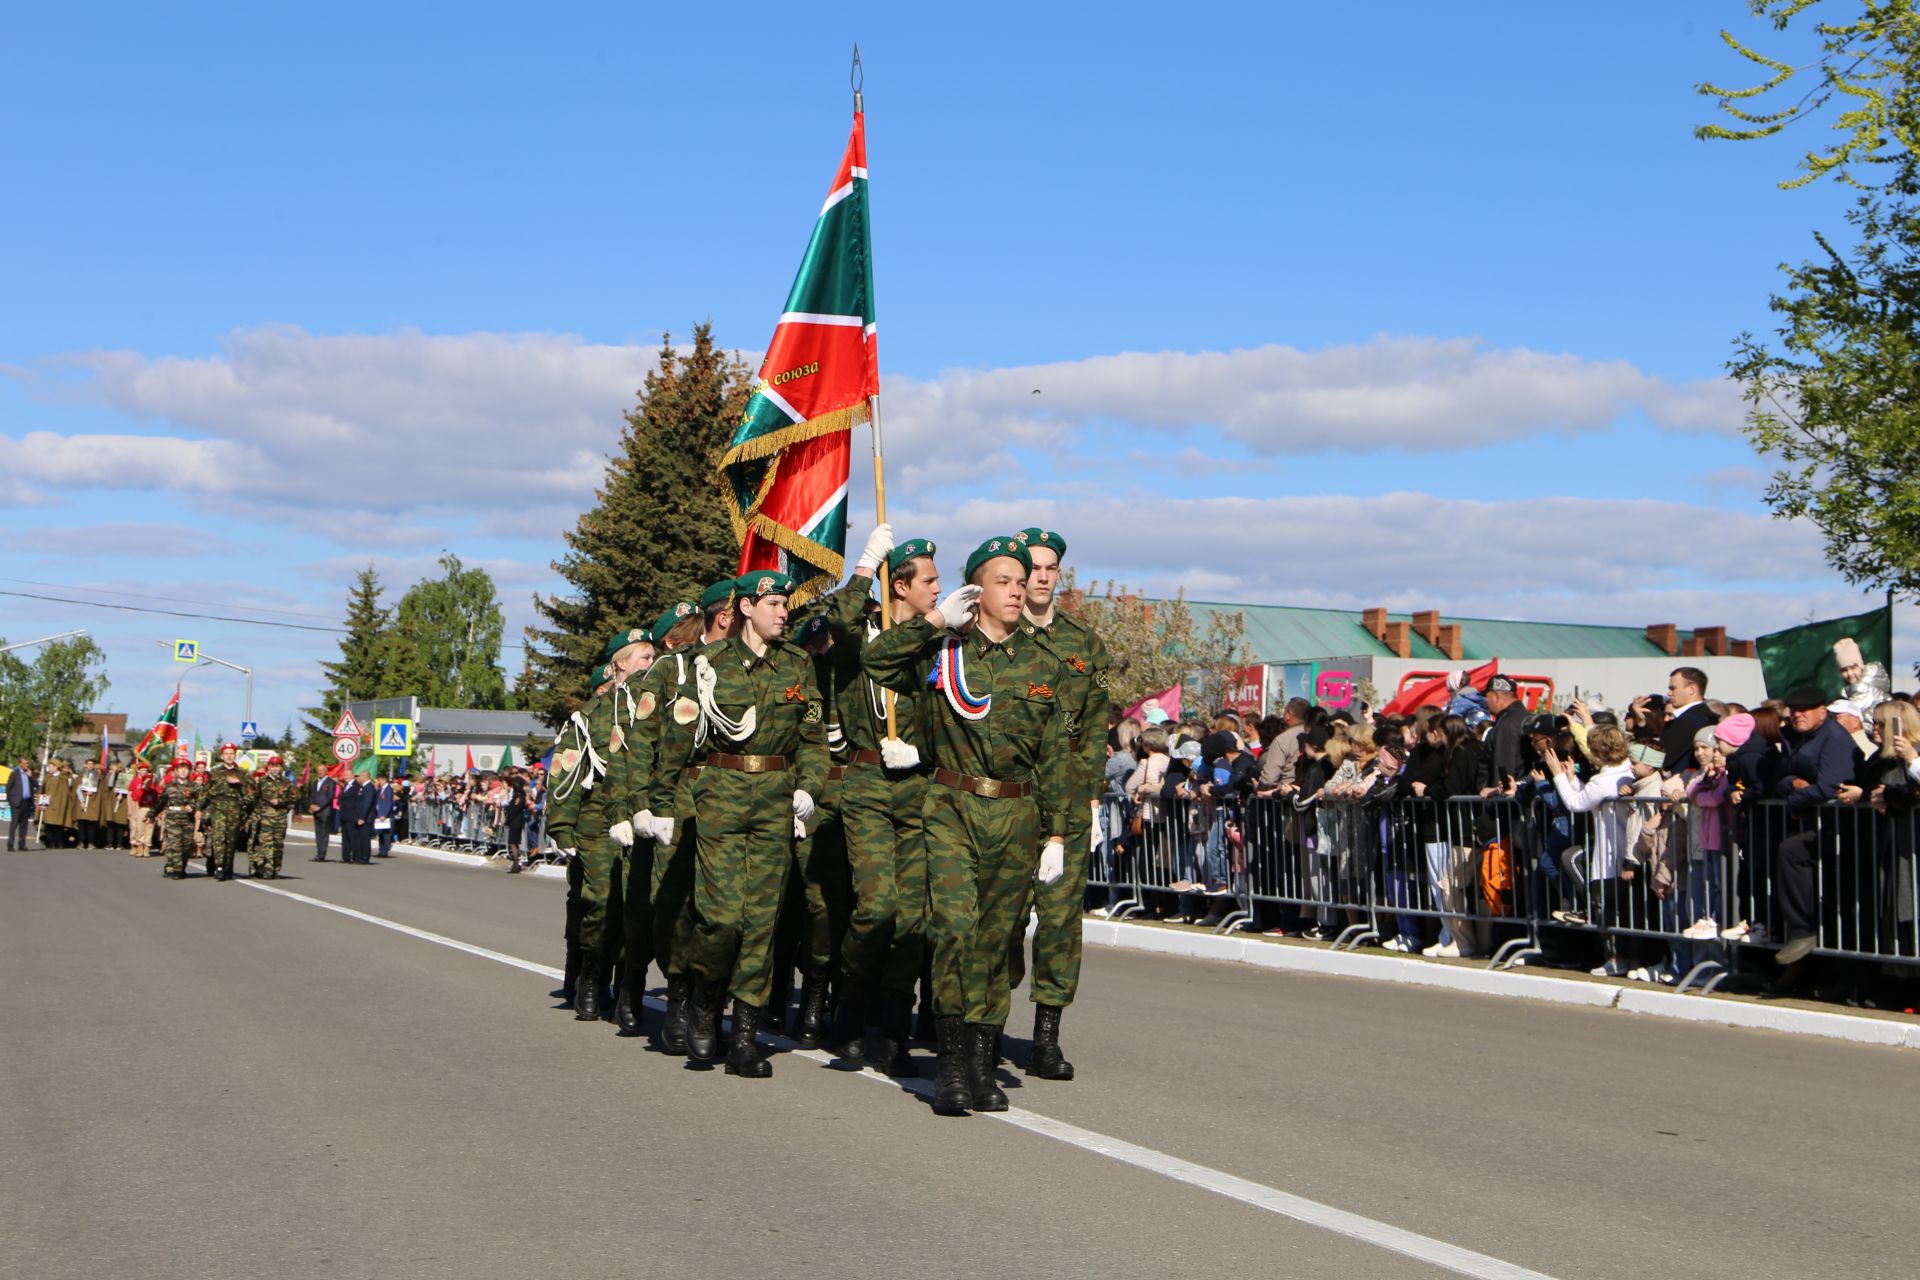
(1319, 314)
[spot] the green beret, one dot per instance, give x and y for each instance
(809, 629)
(911, 549)
(621, 639)
(664, 623)
(994, 547)
(717, 594)
(599, 676)
(762, 582)
(1041, 538)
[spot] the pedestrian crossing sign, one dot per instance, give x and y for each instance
(393, 737)
(186, 651)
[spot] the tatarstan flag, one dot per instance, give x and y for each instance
(788, 463)
(158, 746)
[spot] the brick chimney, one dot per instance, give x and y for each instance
(1448, 641)
(1695, 647)
(1426, 625)
(1714, 638)
(1399, 638)
(1665, 637)
(1375, 621)
(1743, 648)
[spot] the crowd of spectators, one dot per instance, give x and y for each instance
(1638, 844)
(504, 811)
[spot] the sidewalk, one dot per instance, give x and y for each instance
(1796, 1017)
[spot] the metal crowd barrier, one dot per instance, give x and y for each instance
(468, 827)
(1519, 879)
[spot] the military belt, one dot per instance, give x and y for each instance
(992, 788)
(835, 772)
(748, 764)
(874, 757)
(1073, 743)
(691, 772)
(179, 808)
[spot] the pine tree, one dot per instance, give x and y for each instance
(357, 676)
(659, 530)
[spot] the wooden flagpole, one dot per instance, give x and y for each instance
(857, 77)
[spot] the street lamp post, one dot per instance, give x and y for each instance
(206, 658)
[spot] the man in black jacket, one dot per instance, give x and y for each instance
(320, 804)
(1821, 757)
(356, 821)
(20, 798)
(1687, 715)
(1504, 759)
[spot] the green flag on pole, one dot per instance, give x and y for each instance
(506, 756)
(1803, 655)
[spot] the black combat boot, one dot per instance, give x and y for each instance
(952, 1094)
(587, 991)
(703, 1021)
(673, 1032)
(565, 994)
(888, 1050)
(1045, 1059)
(848, 1037)
(808, 1027)
(743, 1055)
(987, 1095)
(626, 1009)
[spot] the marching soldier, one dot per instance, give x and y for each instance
(225, 802)
(274, 796)
(762, 724)
(662, 774)
(996, 805)
(1084, 701)
(178, 804)
(581, 825)
(813, 914)
(881, 804)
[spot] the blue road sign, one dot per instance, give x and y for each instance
(249, 728)
(393, 737)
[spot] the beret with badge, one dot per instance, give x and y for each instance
(993, 548)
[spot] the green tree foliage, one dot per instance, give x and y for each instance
(1835, 401)
(46, 697)
(658, 531)
(444, 644)
(1863, 83)
(359, 672)
(1831, 395)
(1155, 644)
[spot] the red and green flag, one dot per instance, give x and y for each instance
(787, 466)
(157, 747)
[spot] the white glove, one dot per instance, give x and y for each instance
(956, 611)
(879, 542)
(802, 805)
(896, 754)
(622, 833)
(663, 830)
(642, 822)
(571, 854)
(1053, 861)
(799, 829)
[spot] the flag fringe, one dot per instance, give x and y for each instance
(773, 442)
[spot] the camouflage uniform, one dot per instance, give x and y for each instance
(982, 850)
(1084, 701)
(661, 782)
(225, 800)
(883, 810)
(274, 796)
(745, 838)
(580, 817)
(178, 800)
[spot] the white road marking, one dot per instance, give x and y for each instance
(1284, 1204)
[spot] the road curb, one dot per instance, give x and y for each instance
(543, 870)
(1724, 1011)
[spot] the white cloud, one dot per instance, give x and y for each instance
(1425, 395)
(119, 539)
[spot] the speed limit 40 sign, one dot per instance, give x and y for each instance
(346, 750)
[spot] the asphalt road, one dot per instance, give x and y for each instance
(206, 1080)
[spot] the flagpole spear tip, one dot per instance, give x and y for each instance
(857, 77)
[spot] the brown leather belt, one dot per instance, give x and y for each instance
(1073, 743)
(992, 788)
(179, 808)
(691, 772)
(748, 764)
(835, 772)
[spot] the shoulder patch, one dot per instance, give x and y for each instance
(685, 711)
(646, 704)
